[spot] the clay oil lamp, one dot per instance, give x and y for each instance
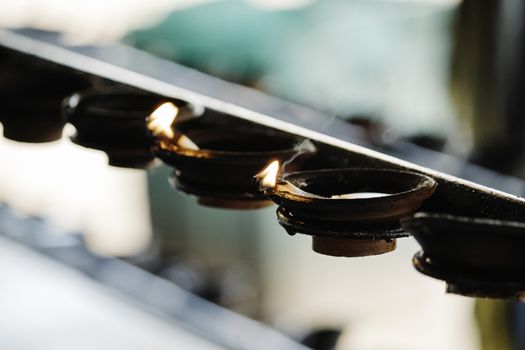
(216, 160)
(348, 212)
(478, 257)
(113, 120)
(31, 101)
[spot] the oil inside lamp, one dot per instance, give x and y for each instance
(348, 212)
(358, 195)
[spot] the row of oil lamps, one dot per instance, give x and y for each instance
(347, 211)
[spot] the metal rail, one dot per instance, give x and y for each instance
(132, 67)
(161, 297)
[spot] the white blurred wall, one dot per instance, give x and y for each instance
(76, 190)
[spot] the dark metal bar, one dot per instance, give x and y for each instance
(136, 68)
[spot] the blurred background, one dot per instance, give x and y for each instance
(430, 72)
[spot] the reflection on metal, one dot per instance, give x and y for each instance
(153, 293)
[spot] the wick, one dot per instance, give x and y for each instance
(286, 186)
(182, 141)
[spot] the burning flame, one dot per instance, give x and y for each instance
(268, 176)
(159, 122)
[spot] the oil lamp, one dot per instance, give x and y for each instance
(215, 159)
(348, 212)
(478, 257)
(113, 120)
(31, 100)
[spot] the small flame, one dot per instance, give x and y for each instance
(160, 121)
(268, 177)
